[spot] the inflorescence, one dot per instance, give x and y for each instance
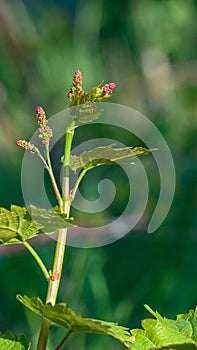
(77, 97)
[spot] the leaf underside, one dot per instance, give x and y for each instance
(86, 113)
(50, 220)
(8, 341)
(72, 321)
(17, 225)
(159, 333)
(106, 155)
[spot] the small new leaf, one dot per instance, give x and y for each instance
(86, 113)
(12, 342)
(51, 220)
(106, 155)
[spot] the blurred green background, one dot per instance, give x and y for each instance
(148, 48)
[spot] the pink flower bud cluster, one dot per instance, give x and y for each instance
(78, 77)
(27, 145)
(76, 90)
(77, 95)
(45, 134)
(41, 116)
(107, 88)
(99, 94)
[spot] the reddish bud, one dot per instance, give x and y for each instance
(54, 277)
(70, 94)
(107, 88)
(78, 76)
(40, 110)
(112, 86)
(27, 145)
(76, 90)
(21, 143)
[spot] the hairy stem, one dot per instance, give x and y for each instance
(53, 286)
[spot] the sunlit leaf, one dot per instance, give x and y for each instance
(8, 341)
(178, 347)
(17, 225)
(190, 317)
(106, 155)
(162, 333)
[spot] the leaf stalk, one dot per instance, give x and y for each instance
(38, 259)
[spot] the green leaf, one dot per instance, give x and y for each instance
(191, 317)
(162, 333)
(185, 327)
(8, 341)
(105, 155)
(17, 225)
(50, 220)
(140, 341)
(178, 347)
(72, 321)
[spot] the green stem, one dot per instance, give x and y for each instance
(66, 169)
(77, 183)
(48, 166)
(50, 171)
(63, 340)
(54, 281)
(53, 286)
(42, 159)
(57, 267)
(44, 334)
(38, 260)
